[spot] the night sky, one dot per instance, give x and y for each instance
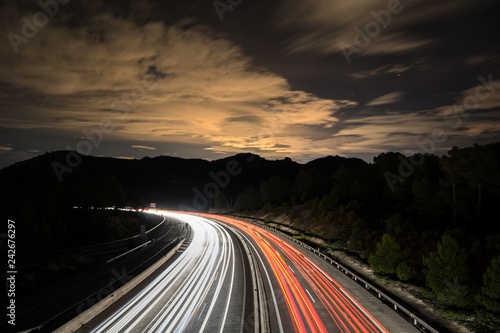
(286, 78)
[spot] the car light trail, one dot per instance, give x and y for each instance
(345, 313)
(174, 304)
(178, 298)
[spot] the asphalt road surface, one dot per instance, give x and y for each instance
(204, 290)
(63, 300)
(209, 288)
(303, 294)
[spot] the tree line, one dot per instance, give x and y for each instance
(437, 225)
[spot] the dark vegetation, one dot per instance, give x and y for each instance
(430, 220)
(439, 228)
(49, 252)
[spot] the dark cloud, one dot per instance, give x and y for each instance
(245, 119)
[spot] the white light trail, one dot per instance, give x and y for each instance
(172, 300)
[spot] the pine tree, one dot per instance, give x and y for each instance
(388, 256)
(447, 272)
(405, 272)
(490, 292)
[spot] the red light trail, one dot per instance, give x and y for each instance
(344, 312)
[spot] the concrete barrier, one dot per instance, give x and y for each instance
(90, 313)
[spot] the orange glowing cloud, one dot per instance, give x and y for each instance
(211, 94)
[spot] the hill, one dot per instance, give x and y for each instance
(399, 213)
(40, 192)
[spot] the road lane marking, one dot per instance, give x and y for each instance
(225, 263)
(202, 309)
(363, 310)
(307, 291)
(231, 283)
(144, 297)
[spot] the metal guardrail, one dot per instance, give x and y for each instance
(95, 249)
(129, 251)
(417, 321)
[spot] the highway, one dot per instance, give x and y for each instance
(211, 287)
(58, 302)
(203, 290)
(307, 298)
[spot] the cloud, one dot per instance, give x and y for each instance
(483, 96)
(124, 157)
(143, 147)
(378, 133)
(321, 26)
(382, 70)
(79, 71)
(213, 96)
(475, 112)
(435, 130)
(244, 119)
(389, 98)
(480, 59)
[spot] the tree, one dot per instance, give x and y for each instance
(447, 273)
(221, 201)
(327, 202)
(405, 272)
(388, 161)
(451, 179)
(397, 226)
(490, 292)
(475, 165)
(250, 198)
(308, 183)
(275, 190)
(357, 241)
(427, 202)
(388, 256)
